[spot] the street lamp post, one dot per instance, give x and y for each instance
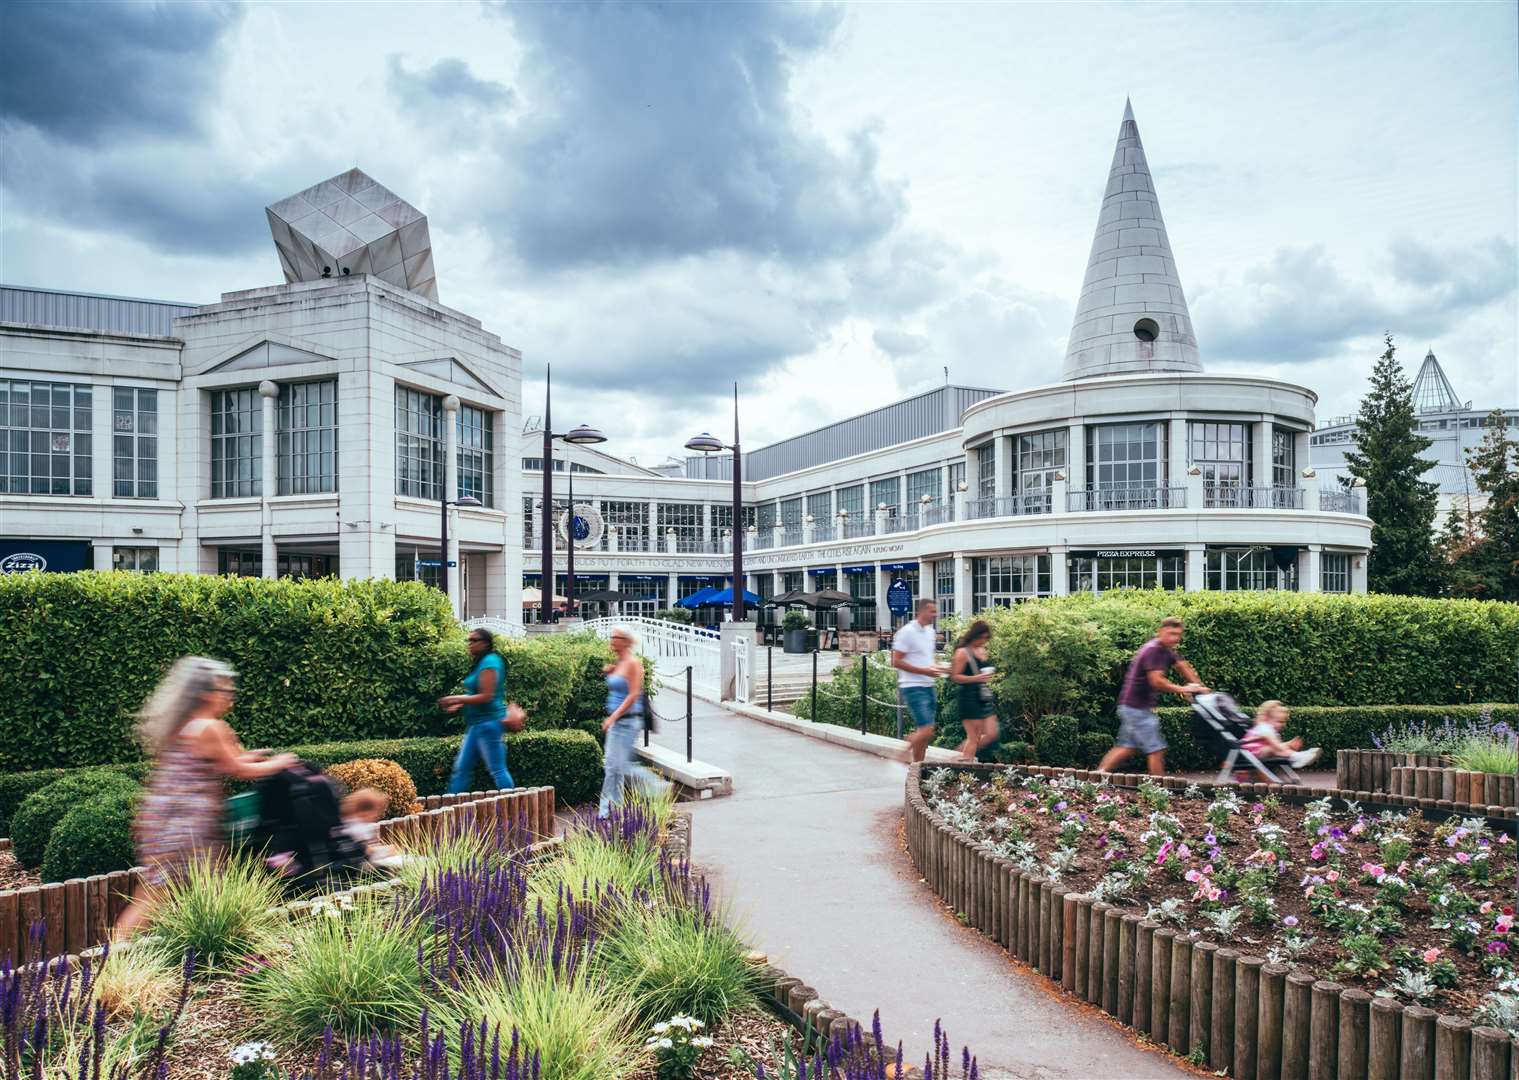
(463, 500)
(707, 443)
(579, 436)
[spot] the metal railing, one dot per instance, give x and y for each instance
(1126, 498)
(858, 527)
(1339, 502)
(790, 536)
(1234, 496)
(743, 679)
(762, 540)
(897, 523)
(939, 515)
(1033, 502)
(673, 648)
(497, 626)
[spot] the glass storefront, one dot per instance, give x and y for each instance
(1126, 568)
(1004, 580)
(1230, 569)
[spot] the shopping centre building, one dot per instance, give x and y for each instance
(313, 427)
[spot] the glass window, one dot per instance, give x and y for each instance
(1251, 569)
(237, 444)
(1334, 572)
(308, 437)
(888, 491)
(476, 454)
(820, 506)
(767, 516)
(791, 513)
(134, 443)
(1041, 454)
(1283, 458)
(529, 537)
(419, 444)
(290, 564)
(862, 586)
(45, 441)
(1003, 580)
(1126, 456)
(407, 568)
(921, 483)
(1222, 452)
(686, 520)
(852, 499)
(1100, 575)
(143, 560)
(986, 471)
(722, 519)
(944, 585)
(631, 519)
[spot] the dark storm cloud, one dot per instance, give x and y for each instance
(658, 131)
(1298, 307)
(448, 83)
(91, 72)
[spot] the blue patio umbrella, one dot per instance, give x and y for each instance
(725, 597)
(699, 598)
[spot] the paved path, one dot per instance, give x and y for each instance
(809, 852)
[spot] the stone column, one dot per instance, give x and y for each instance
(809, 530)
(1076, 457)
(668, 542)
(1311, 488)
(269, 394)
(612, 539)
(613, 580)
(707, 532)
(883, 613)
(1176, 457)
(1358, 573)
(964, 585)
(1194, 485)
(1059, 496)
(880, 526)
(672, 590)
(961, 499)
(1260, 437)
(1197, 565)
(1060, 578)
(1309, 562)
(451, 491)
(1007, 464)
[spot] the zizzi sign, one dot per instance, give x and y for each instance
(22, 561)
(1127, 553)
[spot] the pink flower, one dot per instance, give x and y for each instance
(1373, 869)
(1208, 869)
(1505, 923)
(1463, 857)
(1486, 908)
(1193, 875)
(1184, 852)
(1333, 875)
(1317, 852)
(1358, 828)
(1431, 955)
(1309, 891)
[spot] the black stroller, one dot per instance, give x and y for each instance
(299, 829)
(1219, 722)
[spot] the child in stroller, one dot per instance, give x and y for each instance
(1219, 722)
(308, 832)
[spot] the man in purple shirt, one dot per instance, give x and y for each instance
(1138, 725)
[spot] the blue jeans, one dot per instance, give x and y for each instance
(1139, 729)
(620, 765)
(483, 738)
(921, 704)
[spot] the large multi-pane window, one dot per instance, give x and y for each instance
(528, 538)
(921, 483)
(143, 560)
(1283, 458)
(986, 471)
(476, 454)
(1003, 580)
(1222, 452)
(631, 520)
(289, 564)
(956, 475)
(645, 595)
(852, 501)
(418, 566)
(686, 520)
(1255, 568)
(1334, 572)
(308, 437)
(134, 444)
(820, 509)
(45, 441)
(887, 491)
(1124, 457)
(419, 444)
(862, 587)
(791, 520)
(766, 516)
(1128, 572)
(1041, 454)
(237, 444)
(722, 519)
(944, 585)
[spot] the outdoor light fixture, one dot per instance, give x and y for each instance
(1194, 471)
(707, 443)
(579, 436)
(1309, 473)
(1060, 476)
(962, 486)
(465, 501)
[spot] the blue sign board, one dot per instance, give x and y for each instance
(899, 598)
(54, 556)
(435, 562)
(580, 527)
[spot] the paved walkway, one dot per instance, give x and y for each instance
(809, 852)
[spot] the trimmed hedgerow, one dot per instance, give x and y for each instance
(384, 776)
(42, 810)
(95, 837)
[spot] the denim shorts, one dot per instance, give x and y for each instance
(920, 704)
(1139, 729)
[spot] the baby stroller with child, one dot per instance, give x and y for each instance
(1219, 722)
(294, 820)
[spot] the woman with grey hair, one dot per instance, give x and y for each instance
(193, 749)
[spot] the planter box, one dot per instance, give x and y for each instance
(795, 641)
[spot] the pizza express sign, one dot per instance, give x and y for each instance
(1128, 553)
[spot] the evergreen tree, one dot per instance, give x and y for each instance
(1400, 504)
(1458, 557)
(1495, 469)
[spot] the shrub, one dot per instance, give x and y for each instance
(1015, 752)
(15, 787)
(684, 616)
(42, 810)
(218, 908)
(316, 658)
(95, 837)
(1051, 661)
(1056, 742)
(671, 961)
(137, 982)
(1091, 746)
(795, 620)
(384, 776)
(839, 701)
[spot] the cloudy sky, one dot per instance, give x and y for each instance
(828, 203)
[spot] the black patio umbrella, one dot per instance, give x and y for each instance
(790, 596)
(603, 596)
(825, 598)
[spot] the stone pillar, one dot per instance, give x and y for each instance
(1059, 496)
(880, 526)
(1007, 464)
(1197, 565)
(727, 668)
(809, 530)
(1309, 563)
(964, 585)
(1195, 494)
(269, 394)
(103, 554)
(451, 491)
(1060, 577)
(1311, 488)
(612, 539)
(961, 499)
(1076, 457)
(656, 541)
(883, 613)
(707, 532)
(1176, 458)
(668, 541)
(1260, 438)
(672, 590)
(1358, 573)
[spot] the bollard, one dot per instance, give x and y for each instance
(864, 690)
(1201, 1007)
(1453, 1048)
(1144, 956)
(1418, 1057)
(1160, 985)
(814, 686)
(1247, 995)
(1268, 1025)
(1112, 920)
(1385, 1057)
(1354, 1036)
(1221, 1031)
(770, 678)
(1323, 1030)
(1128, 931)
(1180, 1004)
(1491, 1054)
(688, 710)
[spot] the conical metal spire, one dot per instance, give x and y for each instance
(1432, 390)
(1132, 315)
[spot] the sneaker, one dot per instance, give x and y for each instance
(1304, 758)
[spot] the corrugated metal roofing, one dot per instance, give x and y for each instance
(916, 417)
(89, 311)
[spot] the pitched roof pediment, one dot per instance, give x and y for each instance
(450, 369)
(269, 354)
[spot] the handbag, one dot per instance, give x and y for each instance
(515, 719)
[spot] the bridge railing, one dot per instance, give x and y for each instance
(673, 647)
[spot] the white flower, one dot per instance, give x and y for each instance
(660, 1029)
(697, 1024)
(702, 1041)
(666, 1044)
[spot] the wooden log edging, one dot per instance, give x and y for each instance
(1248, 1018)
(81, 911)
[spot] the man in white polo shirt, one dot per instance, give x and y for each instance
(912, 654)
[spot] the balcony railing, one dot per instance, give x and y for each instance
(897, 523)
(939, 515)
(1233, 496)
(1340, 502)
(1126, 498)
(857, 527)
(790, 536)
(762, 540)
(1033, 502)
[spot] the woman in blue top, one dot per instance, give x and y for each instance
(484, 706)
(623, 723)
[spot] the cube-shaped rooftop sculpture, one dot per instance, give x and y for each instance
(351, 224)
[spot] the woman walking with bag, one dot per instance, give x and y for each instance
(625, 719)
(971, 672)
(193, 750)
(484, 706)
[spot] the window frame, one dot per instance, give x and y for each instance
(237, 453)
(134, 442)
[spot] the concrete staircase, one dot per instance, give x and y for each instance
(792, 676)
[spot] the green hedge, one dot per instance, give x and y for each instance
(41, 811)
(568, 761)
(95, 837)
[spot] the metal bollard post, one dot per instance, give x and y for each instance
(770, 678)
(688, 713)
(814, 686)
(864, 688)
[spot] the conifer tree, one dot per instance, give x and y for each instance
(1400, 504)
(1494, 465)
